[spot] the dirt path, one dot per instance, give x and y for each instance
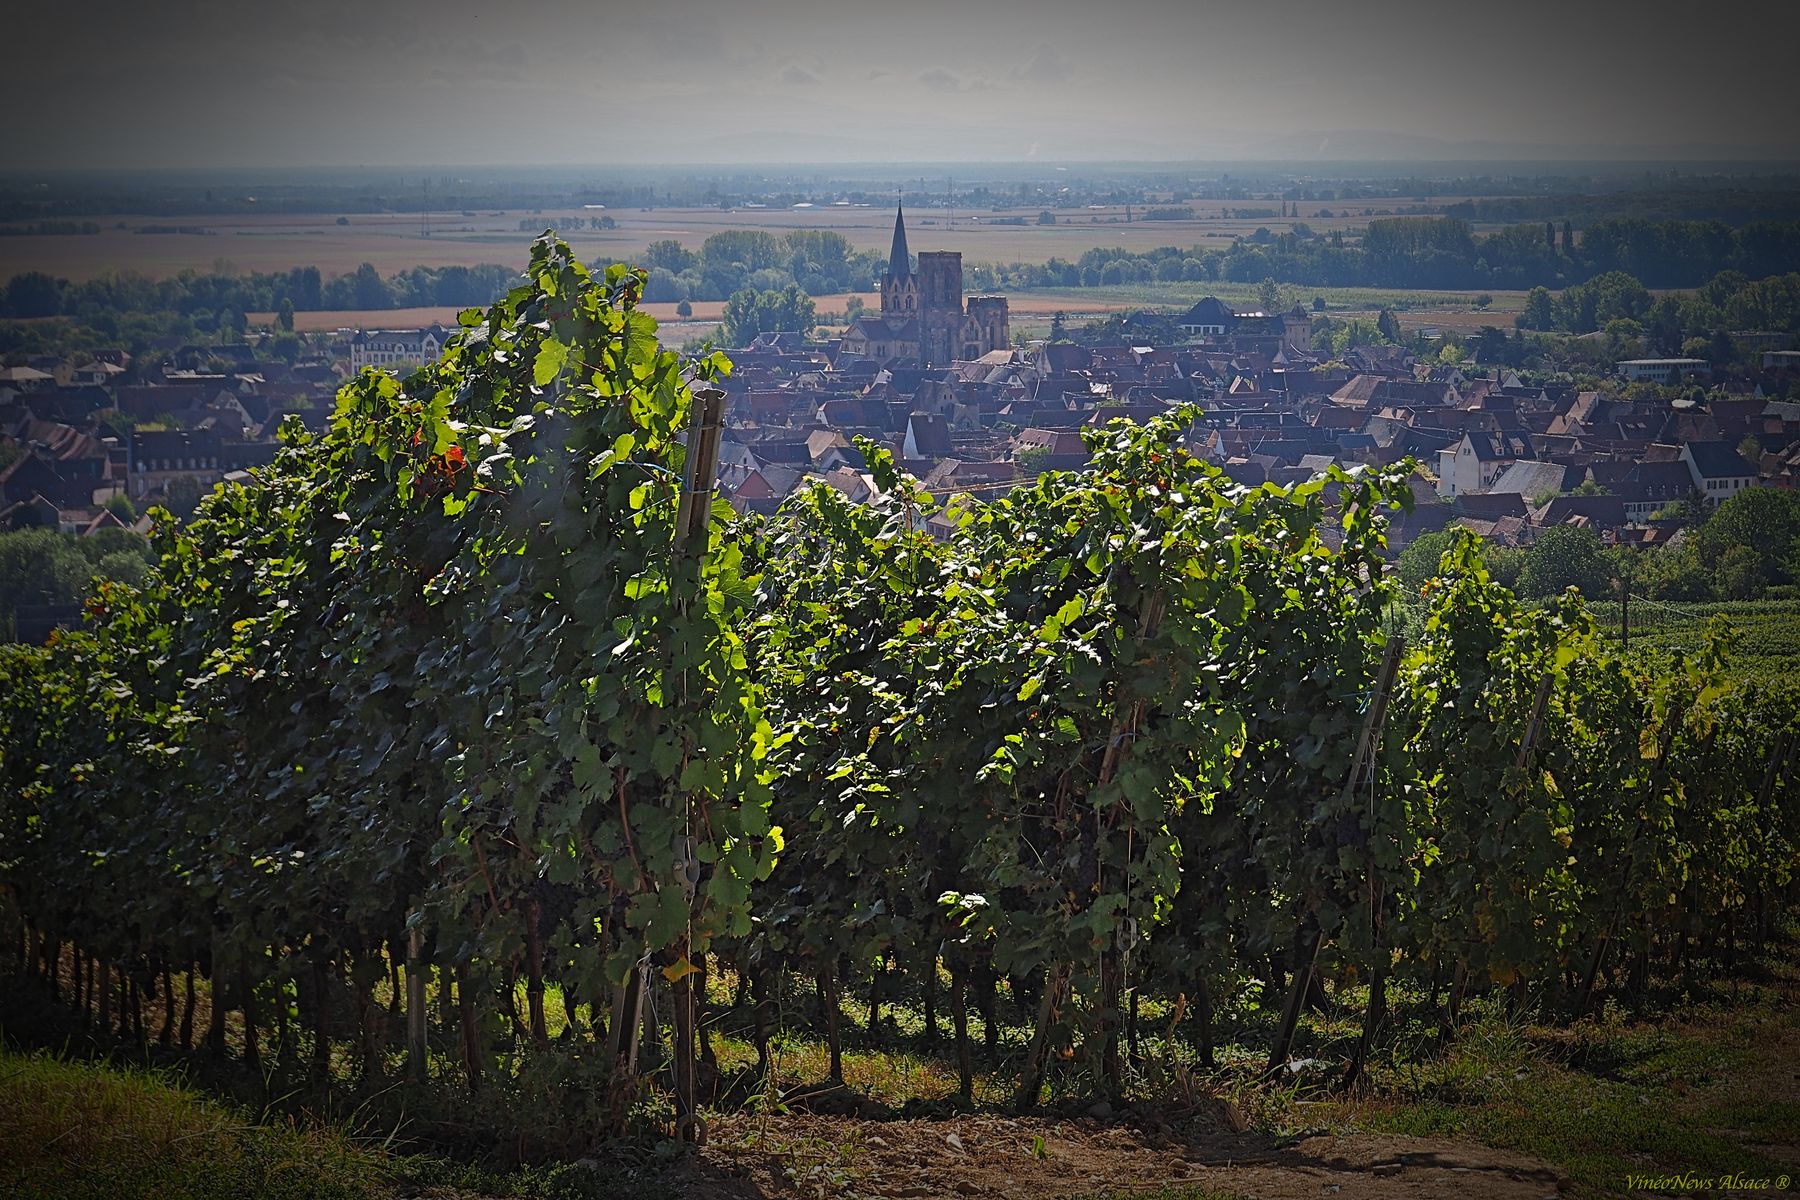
(999, 1158)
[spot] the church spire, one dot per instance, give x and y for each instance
(899, 261)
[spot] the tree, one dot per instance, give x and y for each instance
(1568, 241)
(1741, 575)
(122, 566)
(1268, 295)
(33, 294)
(284, 318)
(1504, 563)
(1763, 521)
(1674, 573)
(40, 566)
(668, 254)
(1563, 557)
(1046, 218)
(749, 313)
(1032, 458)
(1058, 330)
(1357, 331)
(286, 346)
(1389, 325)
(1720, 350)
(748, 249)
(1691, 509)
(1539, 312)
(1419, 561)
(368, 290)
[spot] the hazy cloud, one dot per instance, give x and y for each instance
(470, 62)
(1046, 66)
(408, 82)
(940, 79)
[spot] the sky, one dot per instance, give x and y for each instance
(126, 84)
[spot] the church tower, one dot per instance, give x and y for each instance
(899, 289)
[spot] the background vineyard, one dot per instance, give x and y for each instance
(472, 751)
(1765, 634)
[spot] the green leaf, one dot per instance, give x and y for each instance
(549, 364)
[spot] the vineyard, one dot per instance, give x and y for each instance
(1764, 634)
(475, 751)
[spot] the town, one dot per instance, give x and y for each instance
(939, 381)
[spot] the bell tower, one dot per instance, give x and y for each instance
(899, 288)
(940, 306)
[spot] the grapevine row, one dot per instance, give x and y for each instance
(470, 687)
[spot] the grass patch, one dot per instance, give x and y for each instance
(71, 1131)
(1696, 1092)
(81, 1131)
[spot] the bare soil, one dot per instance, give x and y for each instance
(1003, 1158)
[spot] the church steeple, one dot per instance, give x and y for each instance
(899, 261)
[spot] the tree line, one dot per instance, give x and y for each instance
(1435, 252)
(478, 694)
(1728, 301)
(818, 261)
(204, 295)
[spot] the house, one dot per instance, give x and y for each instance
(1050, 449)
(1645, 487)
(927, 437)
(26, 379)
(394, 348)
(1208, 318)
(1476, 463)
(1664, 370)
(830, 450)
(1530, 479)
(1719, 472)
(1598, 512)
(65, 482)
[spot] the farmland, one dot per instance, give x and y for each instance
(395, 241)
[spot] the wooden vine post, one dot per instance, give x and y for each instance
(700, 467)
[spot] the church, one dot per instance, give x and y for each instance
(923, 318)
